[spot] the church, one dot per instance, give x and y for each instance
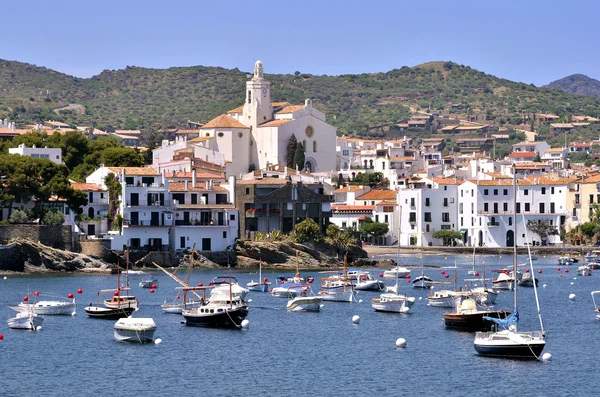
(258, 132)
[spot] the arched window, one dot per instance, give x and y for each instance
(91, 213)
(371, 163)
(314, 146)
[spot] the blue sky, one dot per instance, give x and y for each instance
(530, 41)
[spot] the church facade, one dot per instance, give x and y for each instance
(258, 132)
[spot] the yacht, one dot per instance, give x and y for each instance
(131, 329)
(366, 282)
(305, 304)
(52, 306)
(222, 311)
(400, 272)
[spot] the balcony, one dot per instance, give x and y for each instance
(145, 203)
(128, 222)
(183, 222)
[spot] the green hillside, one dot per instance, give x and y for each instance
(577, 84)
(363, 103)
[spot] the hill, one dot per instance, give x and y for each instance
(150, 99)
(577, 84)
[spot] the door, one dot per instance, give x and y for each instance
(510, 238)
(206, 244)
(135, 199)
(154, 219)
(182, 242)
(91, 230)
(220, 220)
(135, 219)
(186, 218)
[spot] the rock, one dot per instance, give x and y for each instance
(31, 257)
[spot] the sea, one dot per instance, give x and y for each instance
(302, 354)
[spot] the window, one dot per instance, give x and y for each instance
(591, 199)
(309, 132)
(445, 187)
(552, 208)
(427, 216)
(472, 193)
(451, 200)
(485, 192)
(445, 217)
(518, 208)
(526, 192)
(461, 193)
(542, 208)
(249, 96)
(445, 202)
(527, 209)
(101, 195)
(90, 197)
(505, 207)
(224, 234)
(345, 152)
(194, 198)
(314, 146)
(495, 192)
(472, 208)
(552, 190)
(412, 217)
(460, 208)
(505, 192)
(472, 221)
(412, 202)
(543, 190)
(510, 221)
(485, 207)
(232, 217)
(247, 190)
(461, 221)
(376, 218)
(385, 218)
(577, 199)
(427, 228)
(427, 202)
(495, 208)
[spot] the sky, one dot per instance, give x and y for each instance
(529, 41)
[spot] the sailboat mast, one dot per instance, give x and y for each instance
(514, 278)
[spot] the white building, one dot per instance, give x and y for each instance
(94, 214)
(52, 154)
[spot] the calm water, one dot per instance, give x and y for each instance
(317, 354)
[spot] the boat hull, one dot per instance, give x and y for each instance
(258, 287)
(510, 345)
(337, 296)
(305, 304)
(472, 322)
(121, 302)
(108, 313)
(25, 321)
(49, 308)
(229, 318)
(399, 304)
(370, 285)
(134, 330)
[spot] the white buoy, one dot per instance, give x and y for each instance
(545, 285)
(321, 305)
(572, 297)
(546, 357)
(245, 324)
(572, 283)
(6, 278)
(401, 342)
(39, 328)
(74, 314)
(355, 319)
(420, 297)
(158, 341)
(574, 278)
(249, 300)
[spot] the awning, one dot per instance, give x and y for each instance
(463, 231)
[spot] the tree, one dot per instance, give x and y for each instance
(588, 229)
(447, 236)
(341, 239)
(19, 216)
(368, 179)
(542, 228)
(369, 228)
(114, 191)
(291, 151)
(54, 218)
(122, 157)
(308, 231)
(299, 157)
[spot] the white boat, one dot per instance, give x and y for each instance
(260, 286)
(131, 329)
(305, 304)
(396, 272)
(366, 282)
(337, 296)
(222, 311)
(149, 282)
(51, 307)
(584, 271)
(567, 260)
(337, 288)
(503, 282)
(596, 306)
(392, 303)
(483, 295)
(231, 288)
(289, 290)
(441, 298)
(118, 301)
(593, 256)
(510, 342)
(179, 307)
(25, 320)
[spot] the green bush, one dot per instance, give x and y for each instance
(54, 218)
(19, 216)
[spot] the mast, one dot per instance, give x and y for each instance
(514, 281)
(537, 300)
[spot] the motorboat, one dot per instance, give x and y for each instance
(131, 329)
(27, 320)
(527, 280)
(337, 296)
(596, 305)
(221, 311)
(504, 281)
(226, 291)
(50, 307)
(304, 304)
(594, 265)
(593, 256)
(149, 282)
(110, 313)
(509, 342)
(396, 272)
(178, 307)
(567, 260)
(441, 298)
(468, 317)
(483, 295)
(392, 303)
(236, 289)
(355, 273)
(337, 287)
(584, 271)
(289, 290)
(366, 282)
(259, 286)
(422, 282)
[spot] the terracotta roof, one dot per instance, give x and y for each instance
(131, 137)
(278, 104)
(200, 186)
(469, 127)
(378, 195)
(592, 179)
(201, 139)
(402, 158)
(223, 121)
(10, 131)
(128, 132)
(580, 144)
(135, 171)
(239, 109)
(556, 150)
(561, 125)
(497, 175)
(368, 208)
(584, 118)
(87, 187)
(187, 132)
(387, 203)
(57, 124)
(199, 175)
(543, 180)
(264, 181)
(275, 123)
(291, 109)
(446, 181)
(522, 154)
(349, 188)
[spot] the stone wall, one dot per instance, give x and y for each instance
(60, 237)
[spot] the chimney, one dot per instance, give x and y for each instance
(193, 177)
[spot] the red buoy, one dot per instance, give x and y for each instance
(265, 280)
(152, 291)
(70, 296)
(380, 274)
(26, 299)
(153, 285)
(1, 336)
(200, 284)
(310, 280)
(36, 293)
(271, 290)
(442, 272)
(566, 270)
(558, 269)
(447, 276)
(407, 280)
(408, 276)
(540, 271)
(477, 274)
(526, 270)
(79, 291)
(211, 283)
(177, 297)
(281, 282)
(223, 281)
(364, 278)
(116, 293)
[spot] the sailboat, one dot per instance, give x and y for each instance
(119, 301)
(393, 301)
(422, 281)
(260, 286)
(336, 288)
(596, 306)
(117, 307)
(179, 307)
(509, 342)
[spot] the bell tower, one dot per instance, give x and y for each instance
(257, 107)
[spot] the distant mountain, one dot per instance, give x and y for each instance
(579, 84)
(148, 99)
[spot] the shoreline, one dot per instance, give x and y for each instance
(376, 250)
